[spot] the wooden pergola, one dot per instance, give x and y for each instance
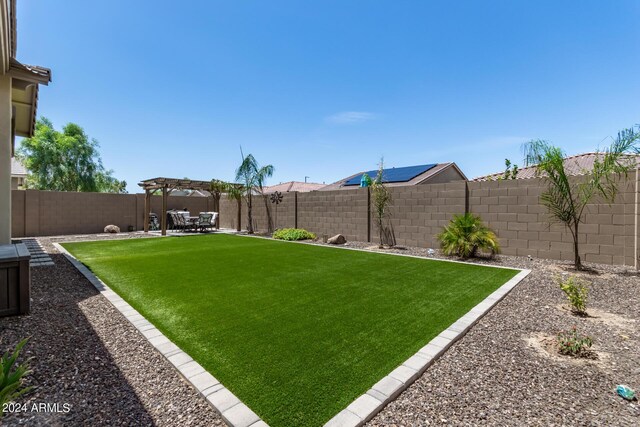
(167, 185)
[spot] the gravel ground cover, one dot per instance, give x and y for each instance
(495, 376)
(87, 355)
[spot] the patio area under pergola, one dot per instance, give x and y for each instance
(167, 185)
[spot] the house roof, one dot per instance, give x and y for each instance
(17, 168)
(429, 172)
(580, 164)
(285, 187)
(25, 78)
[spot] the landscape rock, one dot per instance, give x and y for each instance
(112, 229)
(338, 239)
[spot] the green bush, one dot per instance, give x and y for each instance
(293, 234)
(572, 344)
(576, 291)
(465, 235)
(11, 378)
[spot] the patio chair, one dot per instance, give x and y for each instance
(154, 223)
(204, 221)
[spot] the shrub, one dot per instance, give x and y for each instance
(572, 344)
(293, 234)
(576, 291)
(465, 235)
(11, 378)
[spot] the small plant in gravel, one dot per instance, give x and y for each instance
(570, 343)
(12, 376)
(576, 291)
(465, 235)
(293, 234)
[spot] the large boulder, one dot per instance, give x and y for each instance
(338, 239)
(112, 229)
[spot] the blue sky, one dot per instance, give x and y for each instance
(325, 88)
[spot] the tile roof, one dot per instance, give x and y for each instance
(580, 164)
(285, 187)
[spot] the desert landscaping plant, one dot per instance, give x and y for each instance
(381, 203)
(252, 176)
(293, 234)
(12, 375)
(565, 198)
(571, 343)
(465, 235)
(576, 291)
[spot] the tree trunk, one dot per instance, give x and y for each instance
(216, 208)
(239, 216)
(269, 220)
(576, 253)
(249, 215)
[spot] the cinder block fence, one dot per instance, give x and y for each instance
(511, 208)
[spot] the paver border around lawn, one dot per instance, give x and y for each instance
(365, 407)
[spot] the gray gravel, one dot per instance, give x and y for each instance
(86, 354)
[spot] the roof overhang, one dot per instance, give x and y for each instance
(25, 80)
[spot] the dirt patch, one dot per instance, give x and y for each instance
(601, 316)
(547, 346)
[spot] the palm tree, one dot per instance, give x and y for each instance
(216, 188)
(252, 177)
(567, 198)
(465, 235)
(235, 192)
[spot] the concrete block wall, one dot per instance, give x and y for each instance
(513, 210)
(50, 213)
(419, 212)
(333, 212)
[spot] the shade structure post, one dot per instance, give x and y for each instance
(147, 208)
(164, 210)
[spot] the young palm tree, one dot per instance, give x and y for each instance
(465, 235)
(252, 177)
(216, 189)
(567, 198)
(236, 192)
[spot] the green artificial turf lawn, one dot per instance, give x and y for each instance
(296, 331)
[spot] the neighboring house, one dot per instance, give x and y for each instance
(580, 164)
(286, 187)
(435, 173)
(18, 174)
(18, 105)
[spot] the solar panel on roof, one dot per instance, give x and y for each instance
(403, 174)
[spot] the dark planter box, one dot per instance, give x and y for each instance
(15, 280)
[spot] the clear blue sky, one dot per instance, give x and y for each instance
(324, 88)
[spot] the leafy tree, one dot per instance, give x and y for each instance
(567, 198)
(465, 235)
(510, 171)
(252, 177)
(381, 201)
(65, 161)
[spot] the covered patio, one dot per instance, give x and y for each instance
(167, 186)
